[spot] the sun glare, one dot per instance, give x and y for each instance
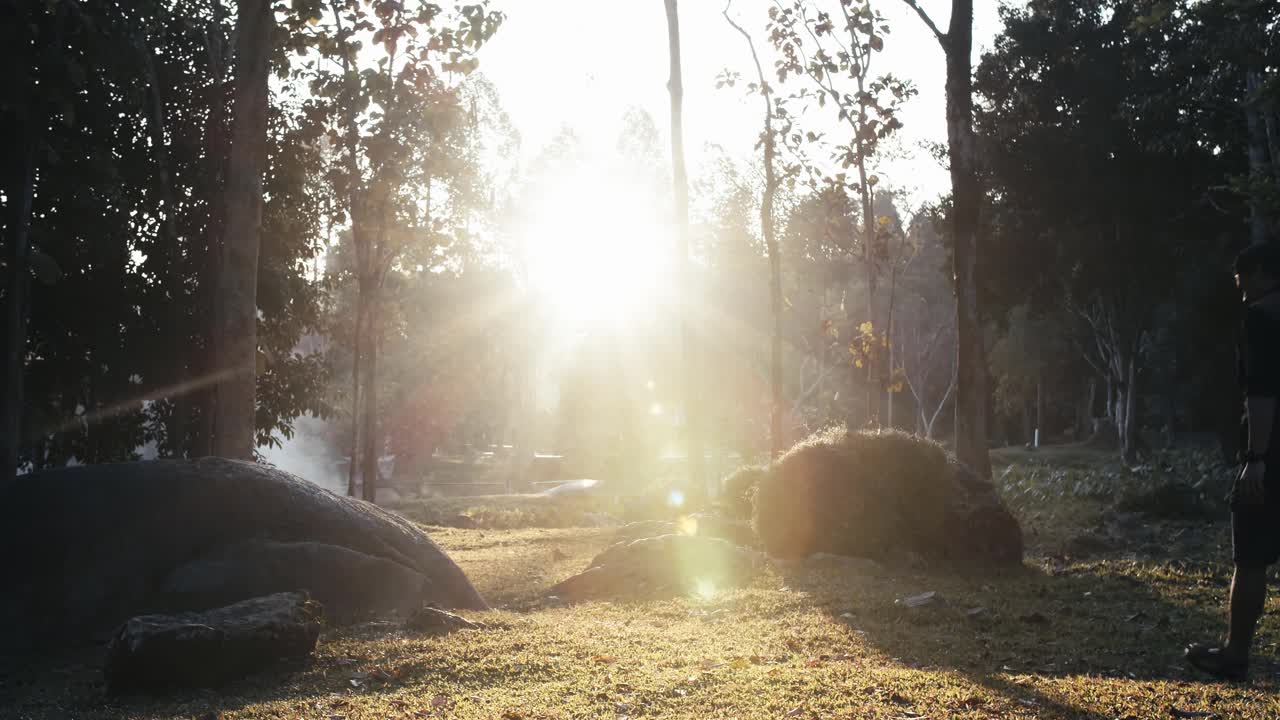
(596, 251)
(688, 525)
(705, 589)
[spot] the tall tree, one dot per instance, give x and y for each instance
(33, 39)
(680, 191)
(777, 440)
(387, 111)
(1103, 142)
(972, 393)
(124, 211)
(235, 341)
(21, 122)
(835, 54)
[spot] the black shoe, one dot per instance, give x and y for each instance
(1213, 661)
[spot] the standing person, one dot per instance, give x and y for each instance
(1255, 499)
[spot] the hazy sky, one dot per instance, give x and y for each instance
(582, 63)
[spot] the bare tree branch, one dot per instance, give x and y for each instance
(942, 37)
(928, 428)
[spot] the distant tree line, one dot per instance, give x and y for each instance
(220, 216)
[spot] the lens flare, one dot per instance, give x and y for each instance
(675, 498)
(688, 525)
(704, 589)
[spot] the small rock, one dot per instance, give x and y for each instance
(205, 649)
(557, 555)
(434, 621)
(919, 601)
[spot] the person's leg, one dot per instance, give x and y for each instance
(1254, 539)
(1248, 596)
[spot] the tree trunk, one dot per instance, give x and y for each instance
(777, 440)
(1084, 421)
(887, 373)
(1039, 410)
(202, 363)
(888, 390)
(236, 337)
(971, 384)
(933, 421)
(22, 188)
(1258, 153)
(1272, 126)
(357, 349)
(777, 437)
(868, 240)
(1273, 140)
(1129, 432)
(372, 447)
(19, 182)
(1111, 399)
(1026, 419)
(680, 189)
(176, 390)
(1117, 412)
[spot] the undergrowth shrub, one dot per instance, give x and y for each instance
(1178, 483)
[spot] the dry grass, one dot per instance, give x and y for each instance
(1094, 640)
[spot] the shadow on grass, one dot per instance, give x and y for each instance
(69, 684)
(1108, 619)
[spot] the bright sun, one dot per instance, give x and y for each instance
(597, 249)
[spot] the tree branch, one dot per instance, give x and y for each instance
(943, 403)
(942, 37)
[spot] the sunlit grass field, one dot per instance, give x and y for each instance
(1094, 635)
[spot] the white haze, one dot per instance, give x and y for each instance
(308, 456)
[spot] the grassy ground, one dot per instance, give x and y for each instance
(1084, 632)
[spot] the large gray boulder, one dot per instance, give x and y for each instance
(350, 584)
(206, 649)
(89, 547)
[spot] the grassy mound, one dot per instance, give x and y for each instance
(883, 495)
